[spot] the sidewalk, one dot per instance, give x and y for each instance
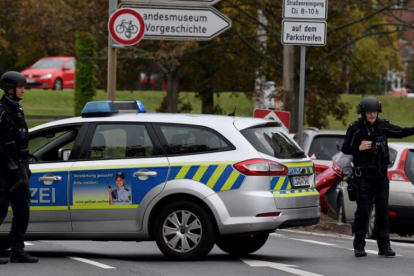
(328, 225)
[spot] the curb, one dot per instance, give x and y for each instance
(338, 227)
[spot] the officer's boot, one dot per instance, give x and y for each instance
(22, 257)
(388, 253)
(360, 253)
(4, 261)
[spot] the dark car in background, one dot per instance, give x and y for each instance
(321, 146)
(51, 73)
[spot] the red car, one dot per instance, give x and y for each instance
(51, 73)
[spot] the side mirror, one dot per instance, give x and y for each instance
(347, 170)
(65, 69)
(64, 154)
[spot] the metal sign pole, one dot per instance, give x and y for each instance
(301, 93)
(112, 57)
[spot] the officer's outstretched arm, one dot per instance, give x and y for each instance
(397, 132)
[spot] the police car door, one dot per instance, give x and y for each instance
(122, 167)
(53, 152)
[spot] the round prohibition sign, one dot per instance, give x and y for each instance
(126, 26)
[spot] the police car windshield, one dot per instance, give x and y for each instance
(274, 142)
(48, 63)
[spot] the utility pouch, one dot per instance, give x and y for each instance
(352, 188)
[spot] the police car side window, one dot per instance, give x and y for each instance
(46, 145)
(182, 139)
(120, 141)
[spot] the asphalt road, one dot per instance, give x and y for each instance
(286, 253)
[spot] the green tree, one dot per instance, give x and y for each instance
(360, 36)
(85, 88)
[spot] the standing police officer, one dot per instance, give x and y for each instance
(14, 165)
(367, 140)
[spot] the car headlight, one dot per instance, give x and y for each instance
(47, 76)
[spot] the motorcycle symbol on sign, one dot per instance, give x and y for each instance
(126, 27)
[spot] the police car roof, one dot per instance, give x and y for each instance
(180, 118)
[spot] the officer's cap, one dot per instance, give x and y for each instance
(120, 174)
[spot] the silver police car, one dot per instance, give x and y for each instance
(186, 181)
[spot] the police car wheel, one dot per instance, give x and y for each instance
(242, 245)
(4, 244)
(184, 231)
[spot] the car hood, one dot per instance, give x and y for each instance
(39, 71)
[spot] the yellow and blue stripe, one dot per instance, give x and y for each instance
(296, 192)
(282, 187)
(221, 177)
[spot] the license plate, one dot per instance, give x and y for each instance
(31, 81)
(300, 181)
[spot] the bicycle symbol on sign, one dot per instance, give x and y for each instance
(126, 27)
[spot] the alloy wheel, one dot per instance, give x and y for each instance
(182, 231)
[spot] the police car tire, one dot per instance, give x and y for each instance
(4, 244)
(241, 245)
(206, 242)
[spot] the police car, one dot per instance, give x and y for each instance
(186, 181)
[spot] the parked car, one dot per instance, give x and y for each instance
(321, 146)
(401, 203)
(400, 92)
(189, 181)
(51, 73)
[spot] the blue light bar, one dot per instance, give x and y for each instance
(130, 107)
(99, 109)
(141, 107)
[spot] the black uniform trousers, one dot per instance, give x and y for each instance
(20, 205)
(372, 190)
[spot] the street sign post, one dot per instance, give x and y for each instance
(198, 3)
(126, 27)
(182, 23)
(164, 20)
(308, 33)
(282, 117)
(312, 10)
(304, 33)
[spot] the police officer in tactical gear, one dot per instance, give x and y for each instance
(14, 165)
(367, 141)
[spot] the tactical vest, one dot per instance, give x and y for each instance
(374, 162)
(14, 132)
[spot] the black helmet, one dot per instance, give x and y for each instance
(12, 79)
(120, 174)
(369, 104)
